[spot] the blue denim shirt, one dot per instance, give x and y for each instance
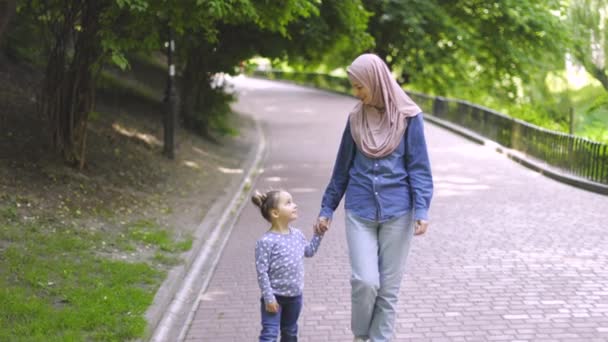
(384, 188)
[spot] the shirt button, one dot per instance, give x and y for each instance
(376, 194)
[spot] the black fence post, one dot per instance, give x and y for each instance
(439, 107)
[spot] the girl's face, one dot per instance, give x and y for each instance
(361, 92)
(287, 209)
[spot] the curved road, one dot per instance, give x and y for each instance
(510, 255)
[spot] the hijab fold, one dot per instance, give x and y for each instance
(377, 128)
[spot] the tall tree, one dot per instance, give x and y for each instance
(301, 30)
(207, 45)
(588, 20)
(80, 36)
(74, 52)
(493, 44)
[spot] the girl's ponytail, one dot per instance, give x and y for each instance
(266, 202)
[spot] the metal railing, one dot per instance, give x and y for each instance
(579, 156)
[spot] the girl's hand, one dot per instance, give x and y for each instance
(322, 225)
(272, 307)
(420, 227)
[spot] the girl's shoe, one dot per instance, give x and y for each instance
(359, 339)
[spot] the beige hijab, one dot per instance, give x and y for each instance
(377, 128)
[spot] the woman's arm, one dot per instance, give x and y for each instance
(340, 175)
(419, 167)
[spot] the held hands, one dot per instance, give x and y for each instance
(322, 225)
(272, 307)
(420, 227)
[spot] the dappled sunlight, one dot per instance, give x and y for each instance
(271, 108)
(273, 179)
(229, 171)
(200, 151)
(212, 295)
(191, 164)
(148, 139)
(277, 167)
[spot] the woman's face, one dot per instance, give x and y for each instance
(361, 92)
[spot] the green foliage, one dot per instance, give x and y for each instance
(305, 32)
(599, 104)
(591, 108)
(211, 113)
(211, 36)
(333, 38)
(489, 44)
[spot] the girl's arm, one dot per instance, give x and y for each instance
(340, 175)
(312, 247)
(419, 167)
(262, 265)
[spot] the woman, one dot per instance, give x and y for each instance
(383, 167)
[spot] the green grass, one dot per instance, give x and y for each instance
(57, 285)
(119, 87)
(149, 233)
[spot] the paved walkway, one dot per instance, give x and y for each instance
(510, 255)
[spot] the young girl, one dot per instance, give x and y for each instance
(279, 262)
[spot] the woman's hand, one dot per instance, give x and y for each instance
(272, 307)
(420, 227)
(322, 225)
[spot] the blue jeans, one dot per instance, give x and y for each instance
(377, 253)
(286, 320)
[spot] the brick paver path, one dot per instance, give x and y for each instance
(510, 255)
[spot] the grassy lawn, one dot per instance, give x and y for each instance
(82, 253)
(58, 284)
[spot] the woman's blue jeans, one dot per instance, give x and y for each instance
(377, 254)
(285, 321)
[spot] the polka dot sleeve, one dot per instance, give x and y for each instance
(262, 265)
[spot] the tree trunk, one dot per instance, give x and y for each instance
(69, 86)
(600, 75)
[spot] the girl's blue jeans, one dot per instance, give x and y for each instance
(285, 321)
